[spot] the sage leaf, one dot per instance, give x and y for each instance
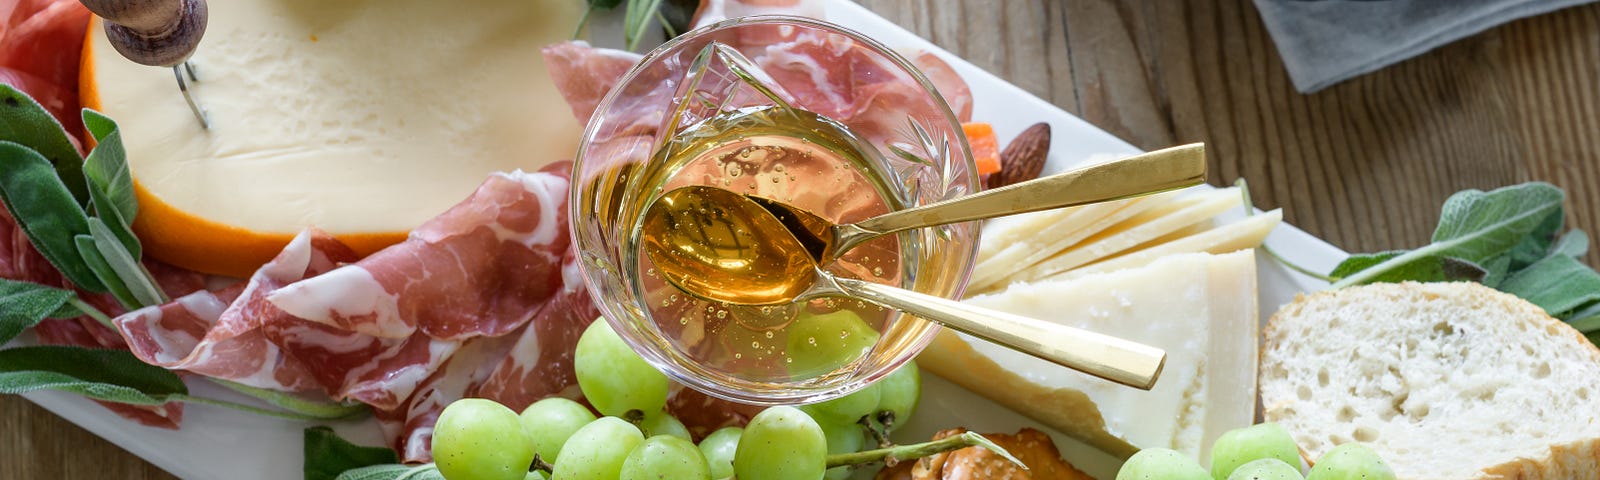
(640, 12)
(1536, 244)
(604, 4)
(1498, 268)
(24, 121)
(1429, 269)
(46, 211)
(1588, 319)
(1477, 227)
(125, 265)
(103, 271)
(1559, 284)
(23, 305)
(394, 472)
(1573, 244)
(109, 180)
(678, 15)
(109, 375)
(327, 455)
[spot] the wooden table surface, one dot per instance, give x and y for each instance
(1364, 164)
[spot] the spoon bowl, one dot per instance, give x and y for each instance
(722, 246)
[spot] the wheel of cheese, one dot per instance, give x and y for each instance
(361, 117)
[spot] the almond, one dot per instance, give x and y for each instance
(1024, 157)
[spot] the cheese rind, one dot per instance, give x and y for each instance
(356, 116)
(1200, 308)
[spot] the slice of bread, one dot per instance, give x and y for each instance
(1444, 380)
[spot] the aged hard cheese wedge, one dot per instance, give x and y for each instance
(362, 117)
(1136, 231)
(1200, 307)
(1024, 240)
(1249, 232)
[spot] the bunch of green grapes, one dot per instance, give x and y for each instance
(632, 438)
(1259, 452)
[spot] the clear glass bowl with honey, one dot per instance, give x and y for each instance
(794, 110)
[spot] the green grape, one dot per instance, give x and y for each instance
(665, 457)
(477, 439)
(1161, 464)
(550, 422)
(819, 344)
(899, 393)
(718, 448)
(842, 438)
(847, 409)
(537, 475)
(1240, 446)
(1266, 469)
(613, 377)
(663, 423)
(781, 443)
(1351, 461)
(596, 451)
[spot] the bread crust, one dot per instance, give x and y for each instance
(1573, 460)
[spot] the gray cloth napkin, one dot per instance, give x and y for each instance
(1324, 42)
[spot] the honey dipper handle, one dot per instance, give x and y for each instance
(158, 33)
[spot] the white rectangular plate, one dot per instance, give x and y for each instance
(218, 443)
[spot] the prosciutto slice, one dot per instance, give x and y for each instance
(40, 41)
(479, 269)
(220, 334)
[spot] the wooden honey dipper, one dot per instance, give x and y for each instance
(158, 33)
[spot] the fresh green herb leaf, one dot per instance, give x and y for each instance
(1498, 268)
(125, 265)
(106, 275)
(1573, 244)
(604, 4)
(327, 455)
(640, 13)
(109, 375)
(1536, 244)
(110, 181)
(46, 211)
(1559, 284)
(24, 121)
(678, 16)
(394, 472)
(1429, 269)
(1476, 226)
(321, 410)
(1588, 319)
(23, 305)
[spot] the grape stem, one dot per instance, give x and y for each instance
(540, 465)
(907, 452)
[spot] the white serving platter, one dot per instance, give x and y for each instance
(218, 443)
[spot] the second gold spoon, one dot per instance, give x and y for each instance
(1143, 174)
(721, 246)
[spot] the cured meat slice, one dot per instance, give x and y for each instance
(410, 426)
(40, 42)
(713, 11)
(585, 74)
(220, 334)
(539, 364)
(478, 269)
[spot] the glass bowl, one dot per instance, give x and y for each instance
(747, 77)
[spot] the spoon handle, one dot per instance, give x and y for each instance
(1122, 361)
(1142, 174)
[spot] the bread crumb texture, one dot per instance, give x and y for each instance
(1444, 380)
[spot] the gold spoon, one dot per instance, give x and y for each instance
(720, 246)
(1143, 174)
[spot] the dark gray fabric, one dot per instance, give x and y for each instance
(1324, 42)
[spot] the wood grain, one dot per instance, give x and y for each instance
(1364, 164)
